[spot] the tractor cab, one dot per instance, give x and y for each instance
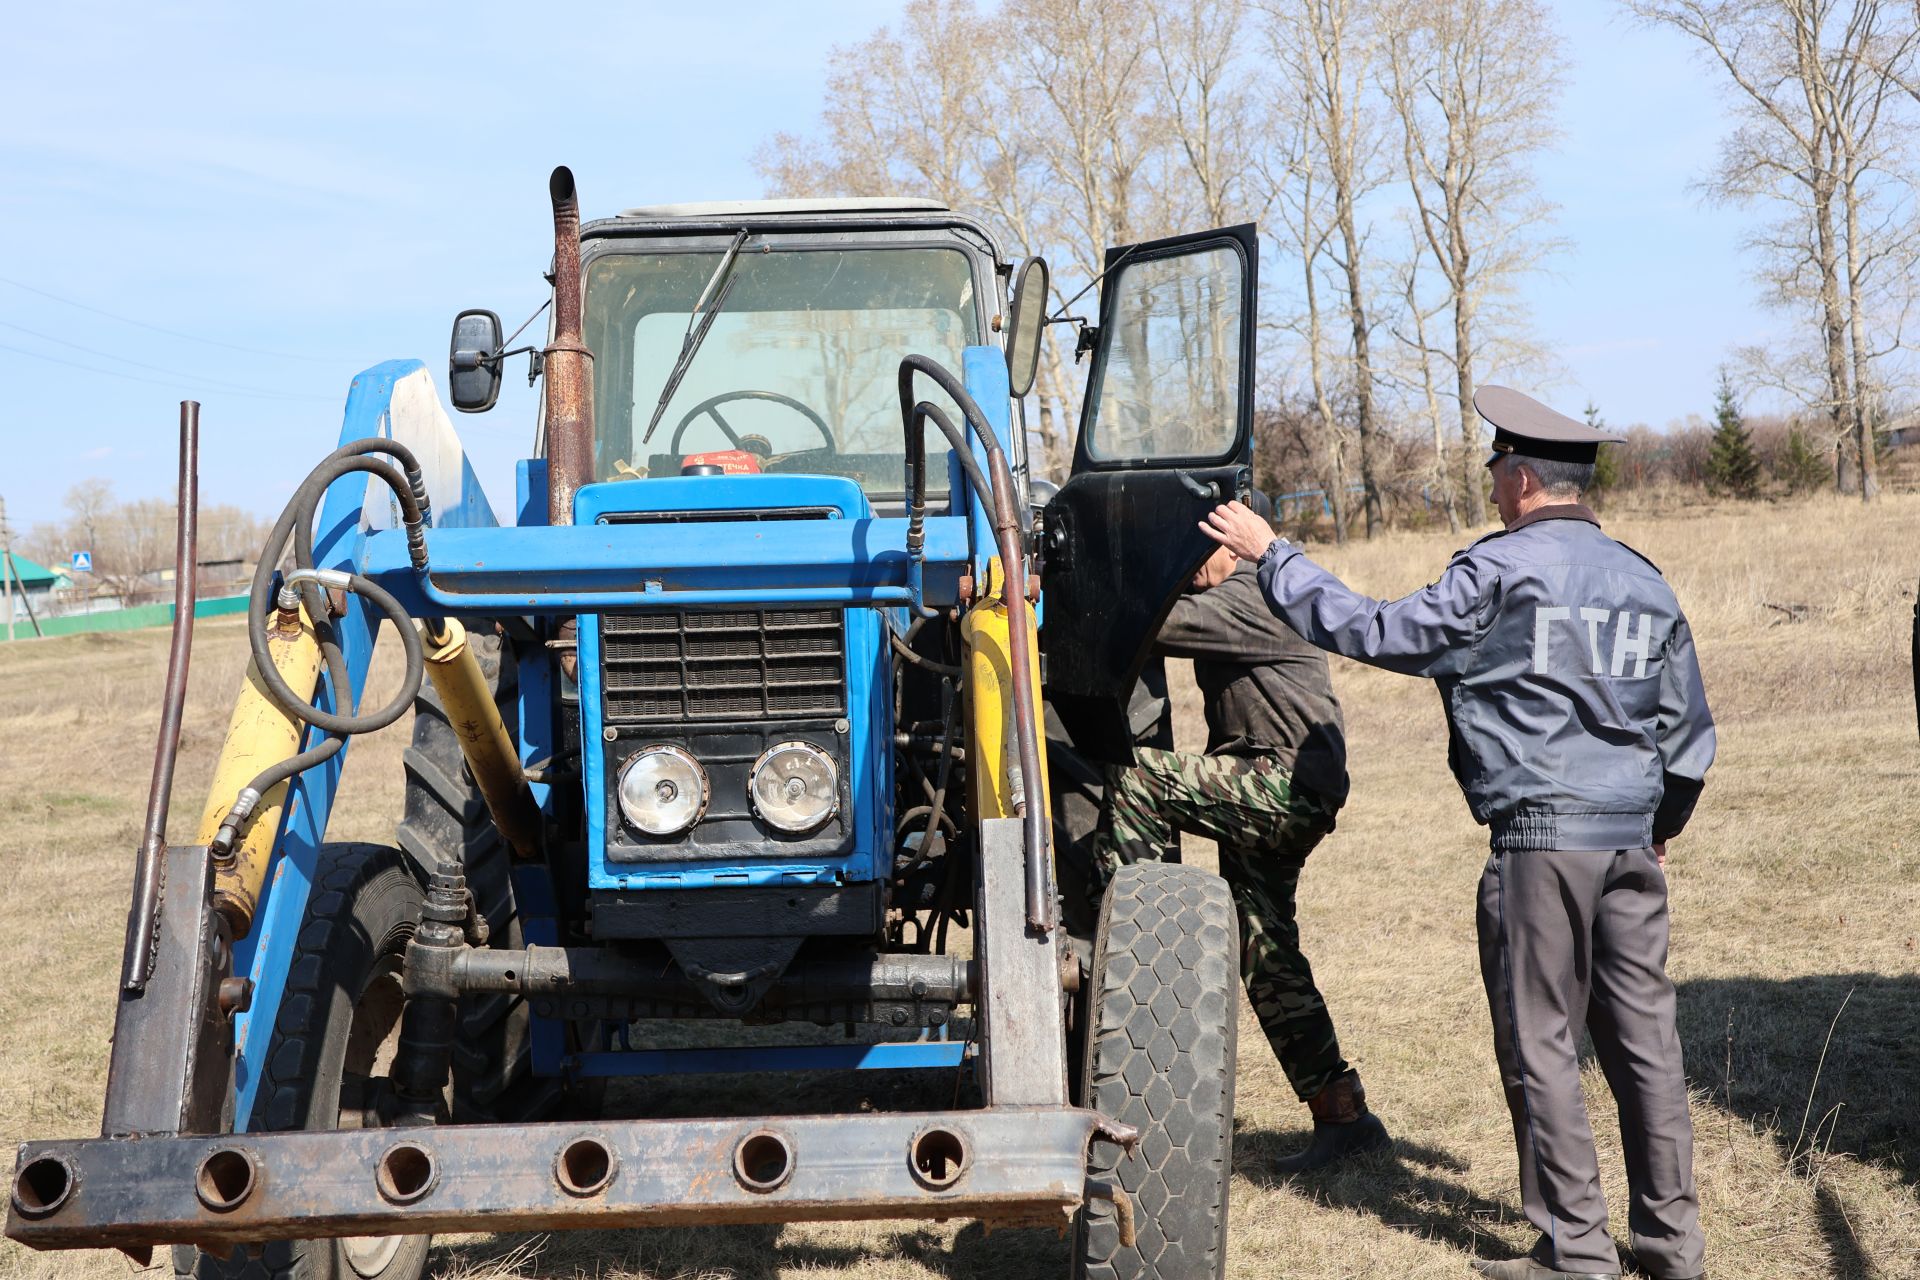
(791, 365)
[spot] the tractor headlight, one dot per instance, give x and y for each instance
(794, 786)
(663, 791)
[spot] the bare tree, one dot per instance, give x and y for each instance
(1824, 90)
(1472, 84)
(900, 114)
(1081, 84)
(1413, 338)
(1201, 94)
(1328, 56)
(87, 504)
(1302, 203)
(1071, 125)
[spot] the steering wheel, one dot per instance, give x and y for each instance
(711, 407)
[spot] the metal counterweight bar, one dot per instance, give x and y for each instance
(1009, 1165)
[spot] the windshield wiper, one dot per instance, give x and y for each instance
(719, 284)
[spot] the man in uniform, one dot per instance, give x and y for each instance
(1267, 789)
(1579, 731)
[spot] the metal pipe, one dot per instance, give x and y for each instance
(597, 971)
(567, 362)
(1030, 798)
(143, 919)
(1009, 536)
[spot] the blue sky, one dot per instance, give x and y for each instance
(298, 193)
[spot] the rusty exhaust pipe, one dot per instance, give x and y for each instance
(143, 921)
(568, 363)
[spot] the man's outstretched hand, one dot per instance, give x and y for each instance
(1234, 525)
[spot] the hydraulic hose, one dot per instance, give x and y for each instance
(997, 495)
(306, 586)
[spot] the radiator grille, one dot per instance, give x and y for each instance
(672, 665)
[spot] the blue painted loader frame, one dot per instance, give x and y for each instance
(482, 569)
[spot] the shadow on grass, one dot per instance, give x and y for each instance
(753, 1253)
(1755, 1046)
(1761, 1049)
(1412, 1188)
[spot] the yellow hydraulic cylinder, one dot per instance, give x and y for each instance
(484, 740)
(993, 760)
(258, 735)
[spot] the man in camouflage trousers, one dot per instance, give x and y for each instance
(1272, 779)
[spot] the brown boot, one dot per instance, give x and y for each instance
(1342, 1127)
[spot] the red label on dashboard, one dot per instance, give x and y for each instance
(732, 462)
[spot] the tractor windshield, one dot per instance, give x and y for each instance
(799, 368)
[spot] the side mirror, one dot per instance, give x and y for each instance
(1040, 492)
(473, 362)
(1025, 324)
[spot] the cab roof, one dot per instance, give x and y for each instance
(704, 209)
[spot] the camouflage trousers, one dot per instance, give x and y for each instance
(1265, 827)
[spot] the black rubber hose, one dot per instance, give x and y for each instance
(917, 466)
(296, 523)
(297, 519)
(970, 409)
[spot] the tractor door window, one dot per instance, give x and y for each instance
(1169, 384)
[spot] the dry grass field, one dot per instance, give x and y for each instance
(1796, 904)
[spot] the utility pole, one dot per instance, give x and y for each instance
(6, 565)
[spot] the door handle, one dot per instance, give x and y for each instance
(1208, 492)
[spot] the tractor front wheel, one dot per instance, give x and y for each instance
(332, 1047)
(1161, 1035)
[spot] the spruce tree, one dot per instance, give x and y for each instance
(1606, 461)
(1800, 466)
(1732, 466)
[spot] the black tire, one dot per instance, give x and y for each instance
(446, 822)
(339, 1015)
(1163, 1029)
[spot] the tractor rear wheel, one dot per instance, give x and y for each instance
(333, 1043)
(1161, 1036)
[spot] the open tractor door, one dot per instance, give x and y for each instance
(1166, 434)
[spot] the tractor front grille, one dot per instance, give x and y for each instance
(670, 666)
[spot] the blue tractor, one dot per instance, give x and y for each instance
(759, 737)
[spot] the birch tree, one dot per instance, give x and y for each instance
(1415, 314)
(1473, 84)
(1327, 53)
(1823, 93)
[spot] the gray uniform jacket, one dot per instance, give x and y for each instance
(1576, 716)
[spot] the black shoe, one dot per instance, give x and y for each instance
(1631, 1265)
(1334, 1142)
(1342, 1127)
(1529, 1269)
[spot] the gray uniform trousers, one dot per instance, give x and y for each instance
(1570, 939)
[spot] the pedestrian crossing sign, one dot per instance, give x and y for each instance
(83, 562)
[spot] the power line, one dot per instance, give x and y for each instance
(172, 333)
(134, 377)
(192, 378)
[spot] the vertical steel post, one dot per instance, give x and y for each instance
(141, 923)
(6, 565)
